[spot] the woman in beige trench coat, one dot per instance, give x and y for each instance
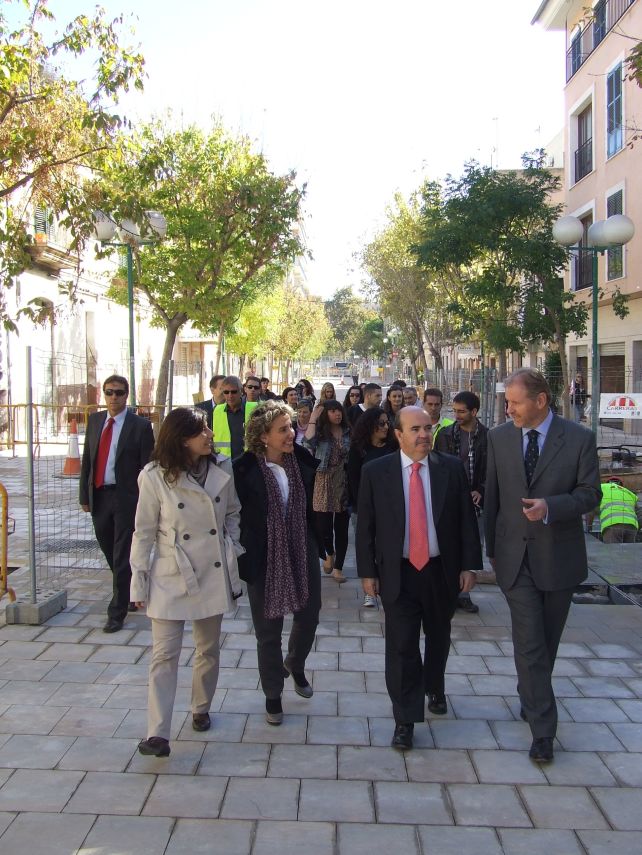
(183, 561)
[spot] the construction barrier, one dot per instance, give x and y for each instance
(71, 468)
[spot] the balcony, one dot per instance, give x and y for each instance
(605, 16)
(583, 271)
(50, 247)
(583, 160)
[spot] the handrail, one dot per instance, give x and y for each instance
(593, 34)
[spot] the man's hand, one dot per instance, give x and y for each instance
(85, 508)
(370, 586)
(534, 509)
(467, 581)
(140, 604)
(476, 496)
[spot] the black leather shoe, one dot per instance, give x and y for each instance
(437, 704)
(402, 737)
(155, 746)
(201, 721)
(542, 749)
(132, 607)
(113, 625)
(465, 604)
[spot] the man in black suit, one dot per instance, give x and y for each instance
(542, 475)
(118, 444)
(418, 547)
(216, 391)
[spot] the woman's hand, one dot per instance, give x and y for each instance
(140, 604)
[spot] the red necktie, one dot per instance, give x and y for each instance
(103, 454)
(418, 549)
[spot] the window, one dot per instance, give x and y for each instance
(615, 256)
(599, 22)
(583, 267)
(614, 111)
(576, 52)
(584, 152)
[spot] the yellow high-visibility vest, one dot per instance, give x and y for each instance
(221, 428)
(617, 506)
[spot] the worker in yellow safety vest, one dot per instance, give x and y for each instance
(433, 402)
(618, 519)
(229, 419)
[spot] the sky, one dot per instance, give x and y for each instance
(362, 98)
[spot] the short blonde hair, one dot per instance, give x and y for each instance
(261, 422)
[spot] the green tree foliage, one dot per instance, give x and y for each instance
(52, 123)
(230, 225)
(490, 237)
(410, 296)
(348, 317)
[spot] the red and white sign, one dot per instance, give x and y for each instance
(621, 405)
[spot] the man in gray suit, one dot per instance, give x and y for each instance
(542, 475)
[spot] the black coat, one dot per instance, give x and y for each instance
(250, 487)
(208, 408)
(381, 522)
(133, 451)
(445, 442)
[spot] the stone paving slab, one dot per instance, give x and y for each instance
(73, 706)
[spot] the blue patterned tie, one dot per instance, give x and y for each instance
(532, 455)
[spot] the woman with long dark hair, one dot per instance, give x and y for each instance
(328, 438)
(188, 517)
(275, 480)
(354, 395)
(393, 402)
(307, 390)
(372, 437)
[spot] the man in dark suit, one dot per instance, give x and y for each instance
(216, 391)
(418, 547)
(118, 444)
(542, 475)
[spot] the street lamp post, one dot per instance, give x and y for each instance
(602, 236)
(105, 229)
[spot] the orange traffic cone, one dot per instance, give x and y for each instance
(72, 463)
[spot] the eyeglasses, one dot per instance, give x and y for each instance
(247, 386)
(117, 392)
(230, 391)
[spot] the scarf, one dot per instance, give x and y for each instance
(286, 576)
(198, 472)
(472, 439)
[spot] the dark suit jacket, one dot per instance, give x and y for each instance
(568, 477)
(134, 449)
(208, 409)
(250, 487)
(381, 522)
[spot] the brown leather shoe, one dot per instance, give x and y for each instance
(201, 721)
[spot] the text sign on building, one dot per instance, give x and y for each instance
(614, 405)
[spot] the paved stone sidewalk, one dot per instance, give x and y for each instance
(72, 708)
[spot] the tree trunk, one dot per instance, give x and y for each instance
(421, 352)
(241, 365)
(219, 347)
(434, 352)
(501, 396)
(173, 326)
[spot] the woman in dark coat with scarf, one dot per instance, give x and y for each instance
(274, 480)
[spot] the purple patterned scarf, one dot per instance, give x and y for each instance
(286, 577)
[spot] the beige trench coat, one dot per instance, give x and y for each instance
(185, 545)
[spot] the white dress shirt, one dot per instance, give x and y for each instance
(424, 474)
(281, 479)
(542, 430)
(110, 468)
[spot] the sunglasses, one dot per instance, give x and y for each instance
(251, 387)
(355, 394)
(231, 391)
(117, 392)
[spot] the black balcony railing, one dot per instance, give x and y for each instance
(606, 15)
(583, 160)
(583, 271)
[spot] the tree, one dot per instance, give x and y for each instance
(229, 225)
(411, 297)
(52, 124)
(346, 314)
(491, 237)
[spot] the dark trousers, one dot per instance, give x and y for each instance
(332, 534)
(538, 619)
(424, 597)
(114, 527)
(268, 631)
